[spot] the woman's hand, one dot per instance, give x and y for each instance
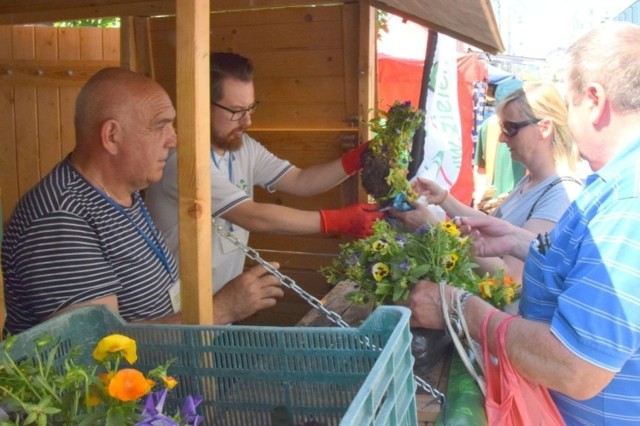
(433, 192)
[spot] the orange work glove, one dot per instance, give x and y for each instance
(352, 159)
(355, 220)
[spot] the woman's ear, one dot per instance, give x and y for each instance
(546, 128)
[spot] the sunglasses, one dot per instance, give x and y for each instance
(511, 128)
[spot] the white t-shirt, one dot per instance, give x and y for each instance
(233, 176)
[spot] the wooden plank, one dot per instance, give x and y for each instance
(49, 143)
(38, 73)
(68, 97)
(26, 138)
(8, 154)
(5, 46)
(46, 43)
(193, 160)
(90, 44)
(69, 43)
(111, 44)
(23, 43)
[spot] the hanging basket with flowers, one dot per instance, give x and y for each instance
(388, 263)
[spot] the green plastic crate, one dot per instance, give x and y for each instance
(246, 374)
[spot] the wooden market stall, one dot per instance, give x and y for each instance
(315, 63)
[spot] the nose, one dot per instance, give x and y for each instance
(246, 118)
(502, 137)
(172, 137)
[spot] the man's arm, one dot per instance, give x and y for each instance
(248, 293)
(533, 350)
(322, 177)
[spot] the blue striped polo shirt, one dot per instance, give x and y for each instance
(588, 287)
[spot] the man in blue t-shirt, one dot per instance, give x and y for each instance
(579, 330)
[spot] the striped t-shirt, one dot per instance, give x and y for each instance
(67, 243)
(588, 287)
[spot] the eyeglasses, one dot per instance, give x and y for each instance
(511, 128)
(237, 114)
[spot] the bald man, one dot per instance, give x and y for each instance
(83, 235)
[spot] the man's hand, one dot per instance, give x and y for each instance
(355, 220)
(352, 159)
(246, 294)
(424, 302)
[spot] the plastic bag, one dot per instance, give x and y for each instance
(511, 399)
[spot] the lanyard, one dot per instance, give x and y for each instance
(229, 167)
(230, 170)
(154, 241)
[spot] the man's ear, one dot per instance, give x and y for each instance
(110, 134)
(597, 102)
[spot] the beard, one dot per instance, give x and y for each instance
(230, 142)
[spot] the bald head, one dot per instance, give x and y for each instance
(111, 93)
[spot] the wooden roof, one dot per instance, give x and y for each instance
(470, 21)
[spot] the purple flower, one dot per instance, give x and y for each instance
(404, 266)
(188, 411)
(423, 229)
(401, 240)
(154, 403)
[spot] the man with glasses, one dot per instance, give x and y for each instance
(238, 162)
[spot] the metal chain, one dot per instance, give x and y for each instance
(315, 302)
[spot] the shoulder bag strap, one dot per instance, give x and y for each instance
(548, 188)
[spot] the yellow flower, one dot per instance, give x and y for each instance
(129, 384)
(509, 293)
(486, 287)
(379, 271)
(170, 382)
(116, 343)
(451, 228)
(449, 261)
(379, 245)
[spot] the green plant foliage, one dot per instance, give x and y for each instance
(389, 262)
(96, 22)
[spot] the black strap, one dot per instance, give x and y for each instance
(548, 188)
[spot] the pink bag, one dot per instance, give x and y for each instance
(511, 399)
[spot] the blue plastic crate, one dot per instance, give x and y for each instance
(355, 376)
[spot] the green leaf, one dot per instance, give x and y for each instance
(115, 417)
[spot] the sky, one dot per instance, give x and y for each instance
(531, 28)
(534, 28)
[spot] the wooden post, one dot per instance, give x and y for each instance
(192, 83)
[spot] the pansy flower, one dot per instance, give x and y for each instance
(116, 344)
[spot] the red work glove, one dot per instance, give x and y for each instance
(355, 220)
(352, 159)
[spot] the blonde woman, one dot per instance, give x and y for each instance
(533, 122)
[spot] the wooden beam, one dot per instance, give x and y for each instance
(194, 188)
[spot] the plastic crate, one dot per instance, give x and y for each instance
(347, 376)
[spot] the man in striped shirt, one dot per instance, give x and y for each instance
(83, 235)
(579, 334)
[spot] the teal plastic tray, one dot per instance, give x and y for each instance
(256, 375)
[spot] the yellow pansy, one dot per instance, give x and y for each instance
(486, 287)
(379, 271)
(449, 261)
(451, 228)
(115, 343)
(379, 245)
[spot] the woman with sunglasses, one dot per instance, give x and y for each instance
(533, 122)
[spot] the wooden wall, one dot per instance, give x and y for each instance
(306, 80)
(41, 71)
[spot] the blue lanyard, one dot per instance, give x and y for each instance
(230, 170)
(154, 241)
(230, 165)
